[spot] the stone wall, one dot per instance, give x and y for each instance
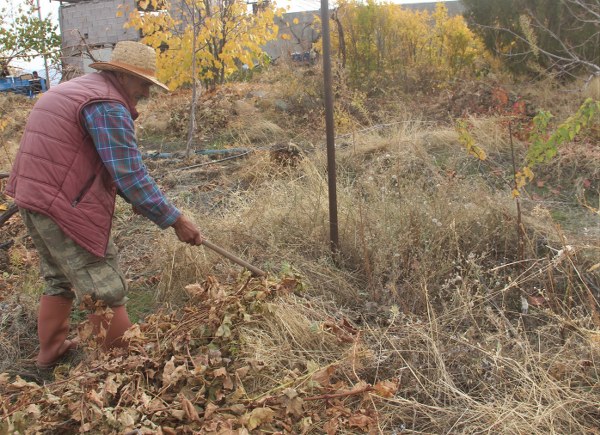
(91, 29)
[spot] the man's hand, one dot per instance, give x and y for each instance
(187, 231)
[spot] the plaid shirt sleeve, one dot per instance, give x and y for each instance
(111, 127)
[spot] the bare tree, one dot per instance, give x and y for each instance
(568, 44)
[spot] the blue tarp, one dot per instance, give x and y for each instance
(28, 87)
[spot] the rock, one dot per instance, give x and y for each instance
(258, 93)
(242, 108)
(281, 105)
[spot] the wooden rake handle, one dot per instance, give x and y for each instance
(255, 270)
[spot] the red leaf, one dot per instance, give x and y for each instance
(536, 301)
(386, 388)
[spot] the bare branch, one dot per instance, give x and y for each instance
(592, 9)
(565, 62)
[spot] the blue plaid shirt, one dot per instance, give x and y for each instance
(111, 127)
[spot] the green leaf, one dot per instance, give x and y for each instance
(23, 35)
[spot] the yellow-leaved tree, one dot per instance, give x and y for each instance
(223, 35)
(381, 42)
(203, 40)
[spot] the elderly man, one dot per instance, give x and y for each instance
(77, 152)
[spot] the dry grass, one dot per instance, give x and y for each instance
(472, 370)
(300, 342)
(252, 128)
(428, 276)
(18, 333)
(14, 110)
(423, 229)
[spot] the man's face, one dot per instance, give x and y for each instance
(135, 87)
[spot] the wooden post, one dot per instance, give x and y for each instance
(329, 126)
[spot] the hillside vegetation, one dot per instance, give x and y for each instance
(458, 302)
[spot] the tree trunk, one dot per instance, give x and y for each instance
(192, 128)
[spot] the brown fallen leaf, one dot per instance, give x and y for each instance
(331, 427)
(34, 411)
(323, 376)
(190, 410)
(386, 388)
(237, 409)
(257, 417)
(536, 300)
(134, 334)
(4, 379)
(210, 409)
(179, 414)
(222, 373)
(95, 398)
(293, 403)
(361, 421)
(110, 386)
(172, 374)
(195, 290)
(242, 372)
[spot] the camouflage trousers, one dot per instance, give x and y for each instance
(71, 271)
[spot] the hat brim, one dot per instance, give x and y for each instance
(110, 66)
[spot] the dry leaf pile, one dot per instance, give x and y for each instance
(182, 374)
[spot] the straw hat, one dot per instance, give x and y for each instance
(132, 58)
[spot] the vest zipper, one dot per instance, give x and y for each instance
(85, 189)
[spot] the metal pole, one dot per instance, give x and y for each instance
(331, 170)
(45, 60)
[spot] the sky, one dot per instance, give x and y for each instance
(312, 5)
(50, 8)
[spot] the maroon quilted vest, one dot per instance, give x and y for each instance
(58, 171)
